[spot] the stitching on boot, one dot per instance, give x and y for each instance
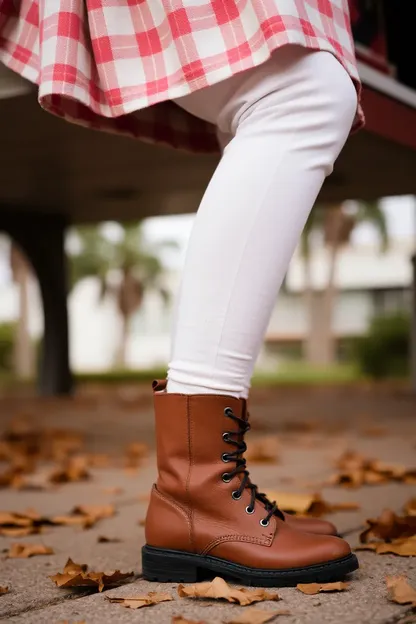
(236, 538)
(188, 478)
(174, 503)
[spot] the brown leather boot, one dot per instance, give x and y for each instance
(310, 525)
(205, 516)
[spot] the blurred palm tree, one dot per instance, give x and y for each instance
(335, 224)
(138, 268)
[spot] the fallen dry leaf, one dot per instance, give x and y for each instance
(19, 532)
(400, 591)
(388, 526)
(264, 450)
(72, 469)
(3, 590)
(113, 490)
(179, 619)
(374, 431)
(102, 539)
(315, 588)
(410, 507)
(85, 515)
(77, 575)
(356, 470)
(257, 616)
(137, 602)
(219, 589)
(307, 504)
(404, 547)
(135, 453)
(24, 551)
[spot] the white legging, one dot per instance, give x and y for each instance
(283, 125)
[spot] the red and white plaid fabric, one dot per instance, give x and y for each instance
(115, 64)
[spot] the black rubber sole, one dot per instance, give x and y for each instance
(175, 566)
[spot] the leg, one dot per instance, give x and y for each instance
(289, 119)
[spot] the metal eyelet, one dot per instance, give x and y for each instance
(249, 510)
(236, 495)
(264, 523)
(225, 458)
(228, 411)
(226, 437)
(226, 477)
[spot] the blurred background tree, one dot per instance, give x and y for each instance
(334, 225)
(127, 268)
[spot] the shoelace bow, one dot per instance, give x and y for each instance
(240, 468)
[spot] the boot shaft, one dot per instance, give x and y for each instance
(191, 436)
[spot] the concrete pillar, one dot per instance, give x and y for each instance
(41, 237)
(413, 346)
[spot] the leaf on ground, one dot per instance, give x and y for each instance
(264, 450)
(307, 504)
(3, 590)
(72, 469)
(14, 519)
(137, 602)
(103, 539)
(374, 431)
(315, 588)
(134, 454)
(179, 619)
(410, 507)
(219, 589)
(356, 470)
(85, 515)
(77, 575)
(19, 532)
(113, 490)
(388, 526)
(98, 460)
(403, 546)
(400, 591)
(257, 616)
(24, 551)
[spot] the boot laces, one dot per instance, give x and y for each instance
(240, 469)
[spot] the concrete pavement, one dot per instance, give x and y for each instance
(335, 421)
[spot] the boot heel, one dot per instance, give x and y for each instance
(167, 566)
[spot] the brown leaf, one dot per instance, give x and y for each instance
(219, 589)
(400, 591)
(19, 532)
(3, 590)
(257, 616)
(315, 588)
(357, 470)
(14, 519)
(264, 450)
(374, 431)
(102, 539)
(113, 490)
(135, 452)
(410, 507)
(179, 619)
(389, 526)
(404, 547)
(72, 469)
(76, 575)
(137, 602)
(85, 515)
(307, 504)
(24, 551)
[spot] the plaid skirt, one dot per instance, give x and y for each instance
(114, 65)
